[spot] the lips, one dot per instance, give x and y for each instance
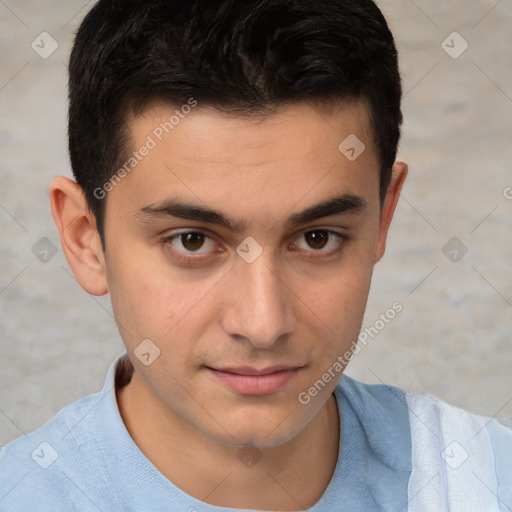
(253, 381)
(246, 370)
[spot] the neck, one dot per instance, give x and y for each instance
(294, 474)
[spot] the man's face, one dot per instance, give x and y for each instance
(254, 285)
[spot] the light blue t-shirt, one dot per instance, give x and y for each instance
(84, 459)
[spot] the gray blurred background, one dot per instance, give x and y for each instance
(453, 336)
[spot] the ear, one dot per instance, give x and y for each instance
(78, 235)
(398, 175)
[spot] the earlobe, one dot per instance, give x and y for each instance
(398, 175)
(78, 235)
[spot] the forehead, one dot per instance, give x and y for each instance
(206, 128)
(253, 165)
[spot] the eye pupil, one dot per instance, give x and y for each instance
(317, 239)
(192, 241)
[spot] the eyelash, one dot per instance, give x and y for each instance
(194, 257)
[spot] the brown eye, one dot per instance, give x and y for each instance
(320, 242)
(317, 239)
(192, 241)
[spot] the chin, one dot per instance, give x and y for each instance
(259, 434)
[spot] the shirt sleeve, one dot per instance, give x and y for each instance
(501, 440)
(461, 461)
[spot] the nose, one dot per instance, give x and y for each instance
(260, 306)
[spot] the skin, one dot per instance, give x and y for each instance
(294, 304)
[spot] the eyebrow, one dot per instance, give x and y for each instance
(341, 205)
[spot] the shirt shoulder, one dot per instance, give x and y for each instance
(44, 469)
(374, 462)
(459, 458)
(383, 414)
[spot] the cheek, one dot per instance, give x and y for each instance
(342, 302)
(149, 300)
(339, 301)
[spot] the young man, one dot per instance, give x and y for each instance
(235, 182)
